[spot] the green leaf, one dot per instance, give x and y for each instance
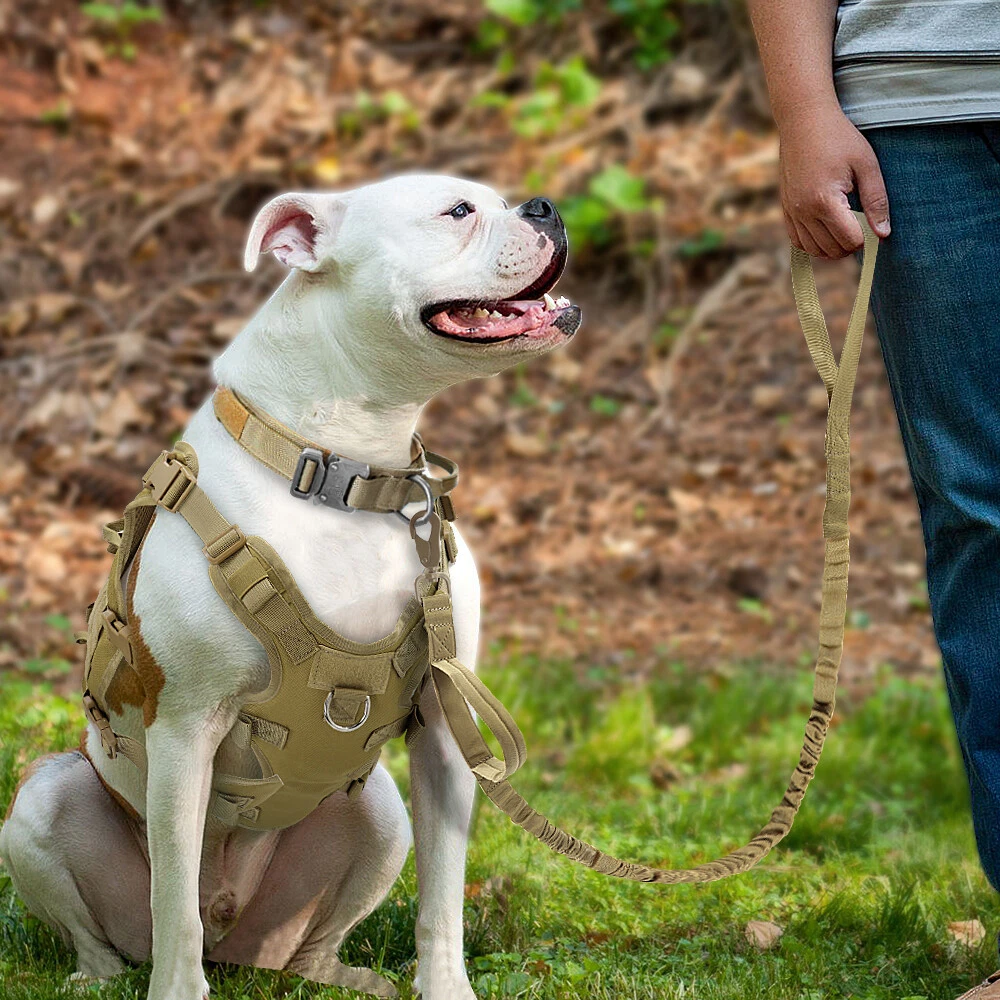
(605, 405)
(60, 622)
(519, 12)
(395, 103)
(707, 241)
(106, 12)
(620, 189)
(586, 220)
(577, 86)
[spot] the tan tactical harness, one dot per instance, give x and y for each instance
(331, 704)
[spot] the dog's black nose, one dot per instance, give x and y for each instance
(538, 208)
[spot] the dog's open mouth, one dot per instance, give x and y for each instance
(484, 321)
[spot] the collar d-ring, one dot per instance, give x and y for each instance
(425, 516)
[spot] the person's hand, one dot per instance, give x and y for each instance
(822, 157)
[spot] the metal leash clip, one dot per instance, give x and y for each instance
(429, 548)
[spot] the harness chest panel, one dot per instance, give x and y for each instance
(366, 691)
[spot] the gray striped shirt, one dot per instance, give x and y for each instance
(901, 62)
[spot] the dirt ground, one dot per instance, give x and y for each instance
(614, 521)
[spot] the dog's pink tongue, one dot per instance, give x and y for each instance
(463, 323)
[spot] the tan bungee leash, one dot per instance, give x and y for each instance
(458, 688)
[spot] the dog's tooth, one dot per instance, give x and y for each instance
(481, 313)
(562, 302)
(550, 303)
(496, 315)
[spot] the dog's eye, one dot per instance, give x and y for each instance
(461, 210)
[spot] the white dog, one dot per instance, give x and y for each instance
(397, 290)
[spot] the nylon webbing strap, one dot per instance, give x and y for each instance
(279, 448)
(458, 689)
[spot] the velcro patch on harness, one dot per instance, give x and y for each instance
(333, 668)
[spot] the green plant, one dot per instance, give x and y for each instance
(612, 193)
(523, 394)
(605, 405)
(525, 12)
(560, 98)
(707, 241)
(118, 21)
(654, 26)
(391, 104)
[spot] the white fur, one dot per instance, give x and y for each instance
(338, 353)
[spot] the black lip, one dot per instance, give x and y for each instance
(543, 283)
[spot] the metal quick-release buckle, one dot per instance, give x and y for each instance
(331, 478)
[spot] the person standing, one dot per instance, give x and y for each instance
(892, 107)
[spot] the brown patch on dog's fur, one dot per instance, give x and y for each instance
(120, 799)
(125, 687)
(28, 772)
(144, 665)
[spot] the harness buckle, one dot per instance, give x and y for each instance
(161, 478)
(119, 633)
(227, 544)
(93, 712)
(331, 478)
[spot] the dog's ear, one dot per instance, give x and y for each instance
(301, 229)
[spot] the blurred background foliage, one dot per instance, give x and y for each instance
(644, 505)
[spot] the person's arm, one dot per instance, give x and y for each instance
(822, 155)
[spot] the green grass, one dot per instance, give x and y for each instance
(881, 860)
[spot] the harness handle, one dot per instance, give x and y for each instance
(456, 691)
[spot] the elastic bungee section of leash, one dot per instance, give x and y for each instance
(458, 688)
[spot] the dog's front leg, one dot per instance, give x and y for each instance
(442, 789)
(180, 753)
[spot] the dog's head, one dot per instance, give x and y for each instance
(438, 272)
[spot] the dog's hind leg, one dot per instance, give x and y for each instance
(76, 863)
(328, 872)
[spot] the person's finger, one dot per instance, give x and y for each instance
(842, 232)
(806, 242)
(824, 239)
(793, 233)
(872, 193)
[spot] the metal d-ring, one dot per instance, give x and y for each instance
(421, 481)
(346, 729)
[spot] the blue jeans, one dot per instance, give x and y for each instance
(936, 306)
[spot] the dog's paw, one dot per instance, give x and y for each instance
(96, 968)
(83, 980)
(175, 991)
(442, 986)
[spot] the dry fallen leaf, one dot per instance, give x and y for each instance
(763, 934)
(685, 502)
(45, 209)
(526, 445)
(9, 189)
(767, 398)
(123, 411)
(967, 932)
